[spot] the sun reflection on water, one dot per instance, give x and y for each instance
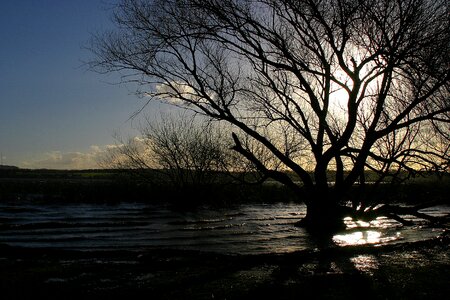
(362, 232)
(365, 263)
(380, 222)
(363, 237)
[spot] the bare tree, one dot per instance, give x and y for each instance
(179, 149)
(350, 85)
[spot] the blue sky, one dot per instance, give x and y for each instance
(53, 111)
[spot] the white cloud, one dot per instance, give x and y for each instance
(170, 93)
(68, 160)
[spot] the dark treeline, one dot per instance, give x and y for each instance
(112, 186)
(152, 175)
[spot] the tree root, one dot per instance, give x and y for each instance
(396, 212)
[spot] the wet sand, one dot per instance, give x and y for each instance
(418, 270)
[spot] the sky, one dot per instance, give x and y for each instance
(54, 112)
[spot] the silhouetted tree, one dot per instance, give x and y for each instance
(180, 149)
(322, 85)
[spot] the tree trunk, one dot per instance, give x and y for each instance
(323, 213)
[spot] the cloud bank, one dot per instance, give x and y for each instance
(69, 160)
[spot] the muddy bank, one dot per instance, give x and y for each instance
(408, 271)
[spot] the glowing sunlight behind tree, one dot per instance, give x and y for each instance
(334, 85)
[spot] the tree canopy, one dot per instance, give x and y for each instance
(322, 85)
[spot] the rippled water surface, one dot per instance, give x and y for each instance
(249, 229)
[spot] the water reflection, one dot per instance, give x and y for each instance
(359, 232)
(365, 263)
(380, 222)
(243, 229)
(365, 237)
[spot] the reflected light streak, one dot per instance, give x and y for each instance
(365, 263)
(363, 237)
(380, 222)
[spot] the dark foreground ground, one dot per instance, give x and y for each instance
(409, 271)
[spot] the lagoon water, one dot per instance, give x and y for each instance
(242, 229)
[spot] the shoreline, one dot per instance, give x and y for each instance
(408, 271)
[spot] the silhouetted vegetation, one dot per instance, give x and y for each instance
(5, 167)
(126, 185)
(327, 85)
